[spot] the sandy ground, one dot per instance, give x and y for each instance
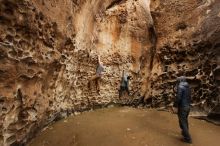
(125, 127)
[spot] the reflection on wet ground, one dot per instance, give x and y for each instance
(125, 126)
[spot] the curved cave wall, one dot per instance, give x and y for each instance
(188, 45)
(48, 52)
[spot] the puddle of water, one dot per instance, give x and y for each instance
(124, 126)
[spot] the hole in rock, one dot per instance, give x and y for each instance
(4, 20)
(9, 38)
(181, 26)
(4, 109)
(2, 101)
(217, 74)
(9, 11)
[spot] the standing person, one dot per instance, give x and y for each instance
(98, 75)
(124, 84)
(182, 103)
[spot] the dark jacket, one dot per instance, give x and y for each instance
(183, 97)
(125, 81)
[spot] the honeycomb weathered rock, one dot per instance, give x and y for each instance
(48, 52)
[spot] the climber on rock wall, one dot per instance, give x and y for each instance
(124, 84)
(98, 75)
(182, 103)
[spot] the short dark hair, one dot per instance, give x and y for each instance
(181, 79)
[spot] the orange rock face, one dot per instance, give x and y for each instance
(49, 49)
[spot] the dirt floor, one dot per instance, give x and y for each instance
(125, 127)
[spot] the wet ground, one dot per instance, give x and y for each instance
(125, 127)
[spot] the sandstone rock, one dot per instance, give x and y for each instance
(48, 52)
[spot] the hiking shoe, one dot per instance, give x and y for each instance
(187, 140)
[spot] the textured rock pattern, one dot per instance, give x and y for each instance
(187, 45)
(48, 52)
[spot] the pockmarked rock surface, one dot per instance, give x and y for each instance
(49, 49)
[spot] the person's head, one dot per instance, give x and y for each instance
(129, 77)
(181, 79)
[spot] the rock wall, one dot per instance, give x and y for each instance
(188, 44)
(48, 53)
